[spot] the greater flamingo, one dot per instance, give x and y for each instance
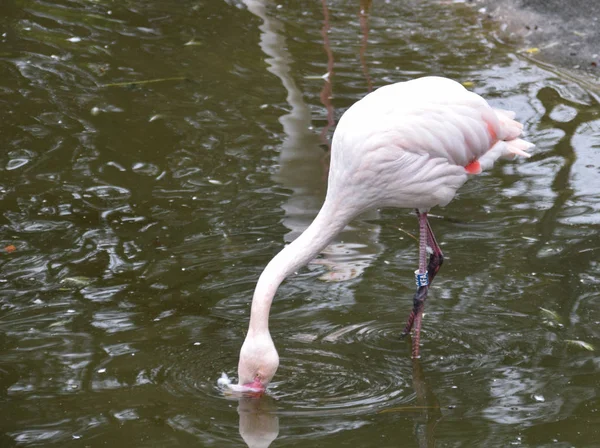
(408, 145)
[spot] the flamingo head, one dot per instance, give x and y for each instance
(258, 361)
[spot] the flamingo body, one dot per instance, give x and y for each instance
(408, 145)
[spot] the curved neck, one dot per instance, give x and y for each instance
(330, 221)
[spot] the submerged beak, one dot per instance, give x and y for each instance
(255, 386)
(253, 389)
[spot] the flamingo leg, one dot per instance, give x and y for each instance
(436, 258)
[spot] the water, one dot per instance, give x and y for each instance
(137, 217)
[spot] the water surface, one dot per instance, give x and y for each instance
(156, 155)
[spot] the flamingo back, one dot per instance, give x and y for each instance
(413, 144)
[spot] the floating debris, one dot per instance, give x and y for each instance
(76, 282)
(581, 344)
(551, 318)
(549, 314)
(408, 233)
(60, 323)
(146, 81)
(325, 77)
(407, 409)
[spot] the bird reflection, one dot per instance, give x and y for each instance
(259, 424)
(428, 406)
(302, 161)
(327, 91)
(333, 257)
(363, 16)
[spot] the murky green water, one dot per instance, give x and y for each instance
(135, 220)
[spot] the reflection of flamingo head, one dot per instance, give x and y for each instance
(259, 424)
(258, 361)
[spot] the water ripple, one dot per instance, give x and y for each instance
(140, 202)
(317, 381)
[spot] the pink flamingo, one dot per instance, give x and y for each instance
(408, 145)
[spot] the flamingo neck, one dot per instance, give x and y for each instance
(330, 221)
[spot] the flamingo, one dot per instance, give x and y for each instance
(411, 145)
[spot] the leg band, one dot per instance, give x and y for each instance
(421, 278)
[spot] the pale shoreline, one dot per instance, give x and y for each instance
(565, 34)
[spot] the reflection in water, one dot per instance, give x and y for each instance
(326, 94)
(429, 405)
(259, 424)
(363, 16)
(301, 159)
(344, 260)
